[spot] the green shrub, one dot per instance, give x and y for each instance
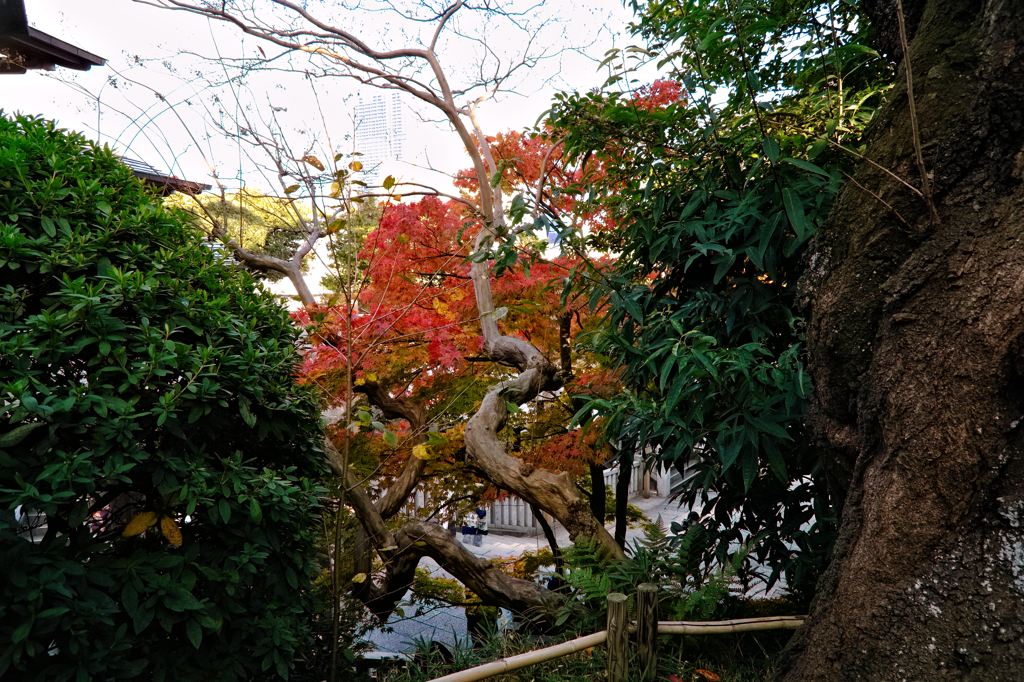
(142, 379)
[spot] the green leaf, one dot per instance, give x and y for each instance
(254, 511)
(129, 599)
(194, 632)
(633, 309)
(817, 148)
(291, 189)
(143, 617)
(243, 408)
(389, 182)
(795, 212)
(52, 612)
(769, 426)
(178, 599)
(21, 632)
(390, 438)
(78, 513)
(749, 470)
(15, 436)
(771, 148)
(808, 166)
(728, 451)
(224, 509)
(48, 226)
(776, 462)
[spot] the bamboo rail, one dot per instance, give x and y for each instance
(616, 637)
(691, 627)
(504, 665)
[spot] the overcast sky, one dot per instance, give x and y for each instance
(145, 45)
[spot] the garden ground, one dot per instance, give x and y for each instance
(449, 624)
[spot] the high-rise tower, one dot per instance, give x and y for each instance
(380, 132)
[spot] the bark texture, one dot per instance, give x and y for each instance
(556, 494)
(916, 341)
(401, 550)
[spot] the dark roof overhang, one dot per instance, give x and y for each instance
(23, 47)
(166, 184)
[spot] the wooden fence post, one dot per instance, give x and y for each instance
(647, 629)
(618, 636)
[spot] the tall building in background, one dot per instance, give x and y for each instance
(380, 132)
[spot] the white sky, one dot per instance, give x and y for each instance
(137, 123)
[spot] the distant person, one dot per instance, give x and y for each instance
(692, 519)
(469, 528)
(481, 526)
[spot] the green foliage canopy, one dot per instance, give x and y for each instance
(718, 195)
(258, 222)
(139, 376)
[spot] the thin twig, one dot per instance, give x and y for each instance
(868, 161)
(880, 199)
(543, 173)
(925, 187)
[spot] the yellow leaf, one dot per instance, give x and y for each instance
(170, 530)
(456, 294)
(359, 577)
(291, 188)
(313, 161)
(139, 524)
(440, 306)
(356, 166)
(420, 452)
(371, 377)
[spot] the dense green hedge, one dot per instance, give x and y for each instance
(139, 376)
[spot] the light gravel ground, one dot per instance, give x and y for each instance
(448, 624)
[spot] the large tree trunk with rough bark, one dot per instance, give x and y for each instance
(916, 341)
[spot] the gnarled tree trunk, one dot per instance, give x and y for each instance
(916, 337)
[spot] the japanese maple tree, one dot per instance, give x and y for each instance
(401, 331)
(410, 333)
